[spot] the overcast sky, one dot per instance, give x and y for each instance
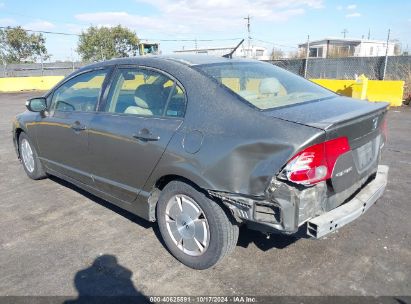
(282, 24)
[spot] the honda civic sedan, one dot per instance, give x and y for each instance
(202, 145)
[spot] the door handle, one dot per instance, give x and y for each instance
(78, 127)
(145, 135)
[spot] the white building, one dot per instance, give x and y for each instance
(255, 52)
(345, 47)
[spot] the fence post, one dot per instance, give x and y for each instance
(386, 55)
(42, 68)
(306, 56)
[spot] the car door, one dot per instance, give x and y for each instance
(128, 136)
(62, 133)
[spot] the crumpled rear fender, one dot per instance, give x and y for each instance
(232, 162)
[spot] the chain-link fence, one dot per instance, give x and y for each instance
(39, 69)
(398, 67)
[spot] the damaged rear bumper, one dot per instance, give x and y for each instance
(328, 222)
(285, 208)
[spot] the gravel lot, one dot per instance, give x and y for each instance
(58, 240)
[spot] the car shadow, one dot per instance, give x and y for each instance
(128, 215)
(122, 212)
(106, 281)
(246, 237)
(264, 243)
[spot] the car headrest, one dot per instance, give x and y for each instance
(269, 86)
(150, 96)
(141, 103)
(138, 111)
(142, 91)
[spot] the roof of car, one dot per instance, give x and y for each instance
(186, 59)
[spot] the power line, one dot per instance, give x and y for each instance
(277, 44)
(154, 39)
(191, 40)
(163, 40)
(40, 32)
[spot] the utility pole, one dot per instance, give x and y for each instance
(248, 18)
(386, 55)
(42, 65)
(369, 34)
(72, 59)
(306, 56)
(344, 32)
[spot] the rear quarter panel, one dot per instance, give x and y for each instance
(239, 149)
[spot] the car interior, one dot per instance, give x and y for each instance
(147, 96)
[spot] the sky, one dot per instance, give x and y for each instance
(274, 23)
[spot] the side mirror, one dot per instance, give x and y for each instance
(38, 104)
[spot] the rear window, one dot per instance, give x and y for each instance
(264, 85)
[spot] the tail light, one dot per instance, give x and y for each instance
(315, 163)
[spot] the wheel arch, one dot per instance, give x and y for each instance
(166, 179)
(17, 133)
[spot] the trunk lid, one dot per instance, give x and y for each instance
(360, 121)
(327, 114)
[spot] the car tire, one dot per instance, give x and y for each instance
(29, 158)
(183, 212)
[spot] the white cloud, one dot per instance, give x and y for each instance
(352, 6)
(39, 25)
(353, 15)
(137, 22)
(196, 16)
(74, 28)
(7, 22)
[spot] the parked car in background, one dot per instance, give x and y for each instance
(202, 145)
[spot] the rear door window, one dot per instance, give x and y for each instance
(144, 92)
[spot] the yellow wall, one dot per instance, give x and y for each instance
(16, 84)
(390, 91)
(377, 90)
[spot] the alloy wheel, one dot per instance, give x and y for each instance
(187, 225)
(27, 155)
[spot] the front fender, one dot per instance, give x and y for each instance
(24, 122)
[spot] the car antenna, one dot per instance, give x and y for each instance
(230, 55)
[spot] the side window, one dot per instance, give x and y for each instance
(145, 92)
(177, 104)
(80, 93)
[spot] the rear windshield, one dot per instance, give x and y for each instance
(264, 85)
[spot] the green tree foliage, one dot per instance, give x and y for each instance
(101, 43)
(19, 46)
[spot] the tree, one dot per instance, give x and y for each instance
(297, 54)
(17, 46)
(277, 54)
(101, 43)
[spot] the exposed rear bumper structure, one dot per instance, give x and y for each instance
(288, 208)
(326, 223)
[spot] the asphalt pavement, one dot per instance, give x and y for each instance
(58, 240)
